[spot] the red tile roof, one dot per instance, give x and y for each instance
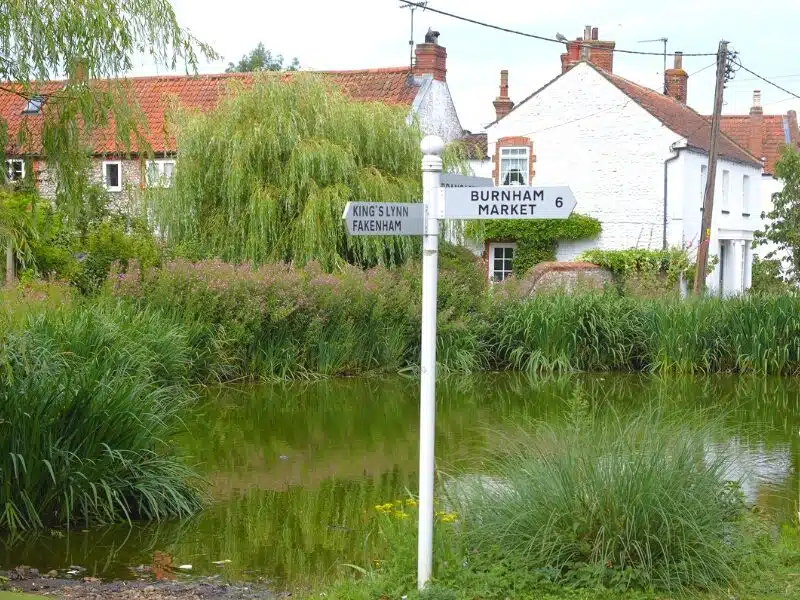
(775, 134)
(153, 94)
(680, 118)
(477, 145)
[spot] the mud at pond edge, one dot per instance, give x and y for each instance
(69, 589)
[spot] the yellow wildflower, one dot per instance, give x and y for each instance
(399, 514)
(384, 508)
(412, 503)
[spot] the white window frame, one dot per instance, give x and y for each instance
(726, 189)
(492, 249)
(9, 168)
(703, 183)
(526, 156)
(746, 194)
(112, 188)
(159, 163)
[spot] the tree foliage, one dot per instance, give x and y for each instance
(783, 228)
(261, 59)
(265, 177)
(78, 42)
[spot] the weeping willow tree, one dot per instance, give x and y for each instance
(61, 62)
(265, 177)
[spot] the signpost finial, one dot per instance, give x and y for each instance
(432, 145)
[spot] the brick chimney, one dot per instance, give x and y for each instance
(431, 57)
(589, 48)
(676, 80)
(503, 104)
(755, 141)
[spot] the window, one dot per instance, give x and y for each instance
(15, 169)
(746, 194)
(160, 173)
(726, 190)
(34, 105)
(514, 166)
(112, 175)
(703, 183)
(501, 257)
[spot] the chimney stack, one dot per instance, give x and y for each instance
(755, 142)
(431, 58)
(676, 80)
(591, 49)
(503, 104)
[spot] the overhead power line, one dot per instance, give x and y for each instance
(764, 79)
(542, 38)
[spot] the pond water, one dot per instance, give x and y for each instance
(296, 469)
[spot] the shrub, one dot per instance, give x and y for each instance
(89, 397)
(767, 279)
(621, 501)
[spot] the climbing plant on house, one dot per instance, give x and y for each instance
(536, 240)
(266, 175)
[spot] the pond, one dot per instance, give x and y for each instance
(295, 469)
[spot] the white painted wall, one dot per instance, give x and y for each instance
(728, 224)
(435, 109)
(589, 135)
(481, 168)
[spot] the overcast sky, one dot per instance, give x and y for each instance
(353, 34)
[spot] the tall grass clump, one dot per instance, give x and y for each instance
(89, 399)
(638, 501)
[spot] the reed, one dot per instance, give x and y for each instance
(89, 397)
(636, 501)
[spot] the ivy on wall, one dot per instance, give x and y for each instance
(536, 240)
(634, 262)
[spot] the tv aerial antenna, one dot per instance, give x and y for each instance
(412, 8)
(664, 41)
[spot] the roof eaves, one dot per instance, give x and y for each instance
(610, 78)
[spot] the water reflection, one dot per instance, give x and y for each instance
(295, 469)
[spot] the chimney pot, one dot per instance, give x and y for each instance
(590, 49)
(676, 80)
(503, 104)
(756, 98)
(431, 59)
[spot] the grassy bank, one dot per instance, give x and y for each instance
(281, 322)
(595, 506)
(89, 399)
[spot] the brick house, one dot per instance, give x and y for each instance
(422, 89)
(635, 158)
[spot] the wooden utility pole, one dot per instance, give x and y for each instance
(708, 198)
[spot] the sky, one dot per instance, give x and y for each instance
(355, 34)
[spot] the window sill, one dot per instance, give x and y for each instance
(113, 189)
(726, 212)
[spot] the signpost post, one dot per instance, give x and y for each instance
(445, 196)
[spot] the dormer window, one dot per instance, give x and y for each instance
(34, 105)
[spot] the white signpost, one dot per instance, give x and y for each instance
(445, 197)
(507, 202)
(453, 180)
(384, 218)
